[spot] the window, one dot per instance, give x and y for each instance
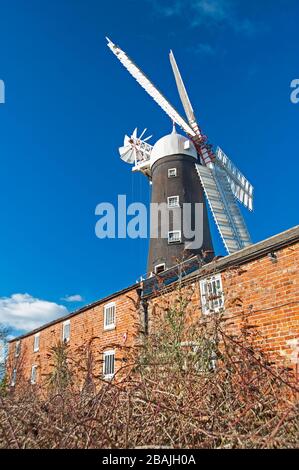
(66, 331)
(173, 201)
(33, 375)
(109, 364)
(109, 316)
(172, 173)
(212, 297)
(174, 237)
(13, 377)
(159, 268)
(18, 348)
(36, 342)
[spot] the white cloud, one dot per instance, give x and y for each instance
(204, 48)
(172, 9)
(73, 298)
(206, 13)
(24, 312)
(218, 10)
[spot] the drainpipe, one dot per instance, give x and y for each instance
(143, 309)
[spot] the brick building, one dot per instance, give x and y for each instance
(263, 277)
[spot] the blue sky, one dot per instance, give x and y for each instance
(69, 103)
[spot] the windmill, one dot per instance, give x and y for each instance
(222, 183)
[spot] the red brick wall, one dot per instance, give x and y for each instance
(266, 292)
(83, 327)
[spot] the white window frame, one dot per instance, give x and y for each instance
(175, 202)
(179, 240)
(18, 348)
(13, 377)
(107, 307)
(64, 338)
(109, 375)
(36, 342)
(172, 172)
(160, 266)
(212, 287)
(33, 375)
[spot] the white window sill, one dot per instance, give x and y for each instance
(108, 377)
(109, 327)
(216, 310)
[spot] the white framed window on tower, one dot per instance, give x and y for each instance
(109, 316)
(36, 342)
(175, 236)
(160, 268)
(18, 348)
(33, 374)
(212, 296)
(109, 364)
(173, 201)
(172, 172)
(66, 331)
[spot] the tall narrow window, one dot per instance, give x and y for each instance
(173, 201)
(109, 316)
(18, 348)
(174, 236)
(33, 374)
(66, 331)
(109, 364)
(13, 377)
(36, 343)
(212, 297)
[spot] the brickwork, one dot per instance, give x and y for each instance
(84, 327)
(264, 289)
(265, 292)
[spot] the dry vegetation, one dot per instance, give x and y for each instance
(187, 385)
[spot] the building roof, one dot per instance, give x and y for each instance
(77, 312)
(194, 267)
(259, 249)
(245, 255)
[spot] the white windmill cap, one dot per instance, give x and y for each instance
(172, 144)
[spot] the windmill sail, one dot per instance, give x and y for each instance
(226, 213)
(182, 90)
(204, 150)
(240, 186)
(222, 182)
(149, 87)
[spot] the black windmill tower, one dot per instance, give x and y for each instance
(185, 169)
